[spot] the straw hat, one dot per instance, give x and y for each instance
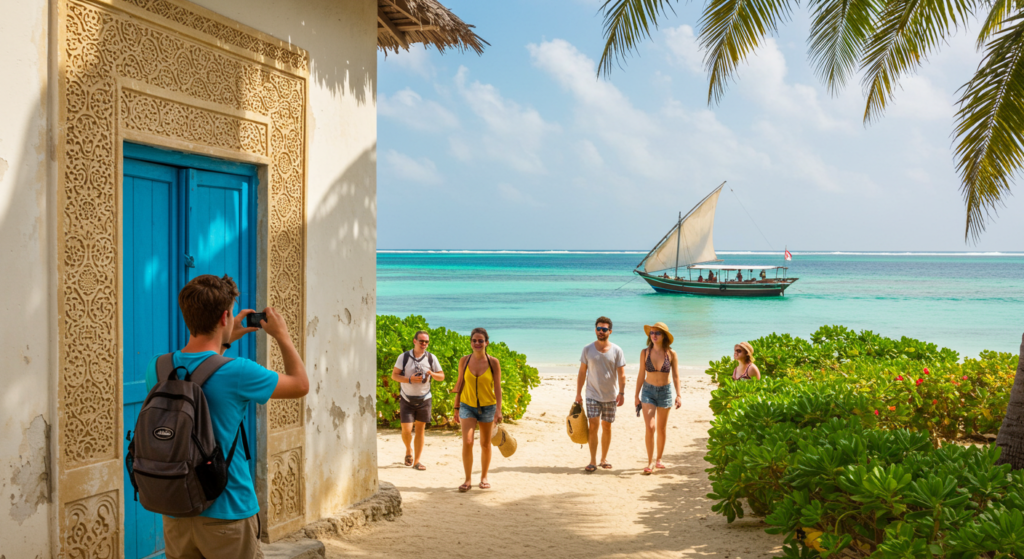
(576, 424)
(749, 349)
(501, 438)
(660, 326)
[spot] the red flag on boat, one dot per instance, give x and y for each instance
(789, 255)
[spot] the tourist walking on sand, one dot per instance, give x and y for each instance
(746, 369)
(654, 390)
(477, 404)
(414, 370)
(603, 370)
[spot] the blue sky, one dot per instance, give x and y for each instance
(523, 148)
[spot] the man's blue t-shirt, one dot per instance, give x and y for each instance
(228, 393)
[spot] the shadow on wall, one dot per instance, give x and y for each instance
(340, 334)
(24, 329)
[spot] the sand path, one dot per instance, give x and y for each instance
(542, 504)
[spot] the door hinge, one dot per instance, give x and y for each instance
(190, 262)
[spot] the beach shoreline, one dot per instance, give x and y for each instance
(556, 369)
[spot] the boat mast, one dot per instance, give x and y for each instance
(679, 232)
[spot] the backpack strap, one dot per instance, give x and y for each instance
(245, 444)
(206, 369)
(165, 368)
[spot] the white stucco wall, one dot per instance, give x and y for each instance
(25, 294)
(340, 353)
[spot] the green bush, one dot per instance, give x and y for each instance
(844, 446)
(394, 336)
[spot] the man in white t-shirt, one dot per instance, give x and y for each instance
(603, 370)
(414, 370)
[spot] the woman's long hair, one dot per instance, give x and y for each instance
(486, 339)
(665, 344)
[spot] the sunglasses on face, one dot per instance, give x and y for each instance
(655, 333)
(603, 329)
(423, 341)
(478, 341)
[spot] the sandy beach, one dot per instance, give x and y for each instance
(542, 503)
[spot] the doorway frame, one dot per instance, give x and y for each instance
(114, 59)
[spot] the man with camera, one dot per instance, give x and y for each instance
(414, 370)
(230, 526)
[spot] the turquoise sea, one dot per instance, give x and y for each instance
(544, 303)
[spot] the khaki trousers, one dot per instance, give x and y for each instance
(200, 537)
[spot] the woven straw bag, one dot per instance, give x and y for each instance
(577, 425)
(501, 438)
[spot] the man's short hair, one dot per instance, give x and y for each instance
(416, 336)
(204, 299)
(605, 320)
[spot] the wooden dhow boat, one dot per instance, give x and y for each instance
(689, 245)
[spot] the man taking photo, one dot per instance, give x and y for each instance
(603, 370)
(230, 526)
(414, 370)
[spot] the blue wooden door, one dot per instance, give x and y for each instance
(152, 271)
(184, 216)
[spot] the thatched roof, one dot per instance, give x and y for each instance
(401, 23)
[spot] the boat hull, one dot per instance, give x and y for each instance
(728, 289)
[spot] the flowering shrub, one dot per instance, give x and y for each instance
(845, 452)
(394, 336)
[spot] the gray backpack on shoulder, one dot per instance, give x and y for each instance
(174, 462)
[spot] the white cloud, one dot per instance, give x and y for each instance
(409, 108)
(415, 60)
(513, 195)
(512, 134)
(920, 99)
(682, 43)
(421, 170)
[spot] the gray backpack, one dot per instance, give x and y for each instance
(174, 462)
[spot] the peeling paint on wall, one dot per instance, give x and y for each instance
(31, 480)
(311, 327)
(3, 171)
(337, 415)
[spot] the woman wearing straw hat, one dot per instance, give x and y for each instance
(746, 369)
(653, 390)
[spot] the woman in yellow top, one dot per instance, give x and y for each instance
(477, 401)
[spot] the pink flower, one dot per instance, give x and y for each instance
(876, 412)
(935, 402)
(965, 377)
(899, 377)
(919, 381)
(926, 371)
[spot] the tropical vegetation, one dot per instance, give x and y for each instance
(394, 337)
(859, 444)
(881, 41)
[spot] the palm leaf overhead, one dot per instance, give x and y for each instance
(839, 31)
(884, 39)
(990, 126)
(730, 30)
(626, 23)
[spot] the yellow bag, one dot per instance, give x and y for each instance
(577, 425)
(501, 438)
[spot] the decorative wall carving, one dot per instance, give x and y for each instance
(103, 44)
(285, 473)
(284, 414)
(91, 528)
(163, 117)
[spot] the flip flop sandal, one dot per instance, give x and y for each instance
(606, 465)
(465, 487)
(660, 466)
(484, 485)
(590, 468)
(419, 467)
(648, 471)
(408, 459)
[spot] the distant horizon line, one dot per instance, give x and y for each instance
(721, 252)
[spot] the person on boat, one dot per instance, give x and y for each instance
(665, 275)
(603, 372)
(764, 275)
(654, 392)
(746, 369)
(477, 403)
(711, 276)
(739, 275)
(700, 278)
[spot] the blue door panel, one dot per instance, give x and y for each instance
(175, 206)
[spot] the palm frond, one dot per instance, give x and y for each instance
(732, 29)
(990, 126)
(839, 30)
(997, 14)
(906, 32)
(626, 23)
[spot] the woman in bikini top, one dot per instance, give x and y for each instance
(746, 369)
(654, 394)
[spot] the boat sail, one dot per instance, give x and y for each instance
(690, 244)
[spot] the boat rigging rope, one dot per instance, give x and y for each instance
(752, 219)
(625, 284)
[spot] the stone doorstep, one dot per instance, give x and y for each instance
(385, 504)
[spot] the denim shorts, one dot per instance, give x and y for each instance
(660, 396)
(483, 414)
